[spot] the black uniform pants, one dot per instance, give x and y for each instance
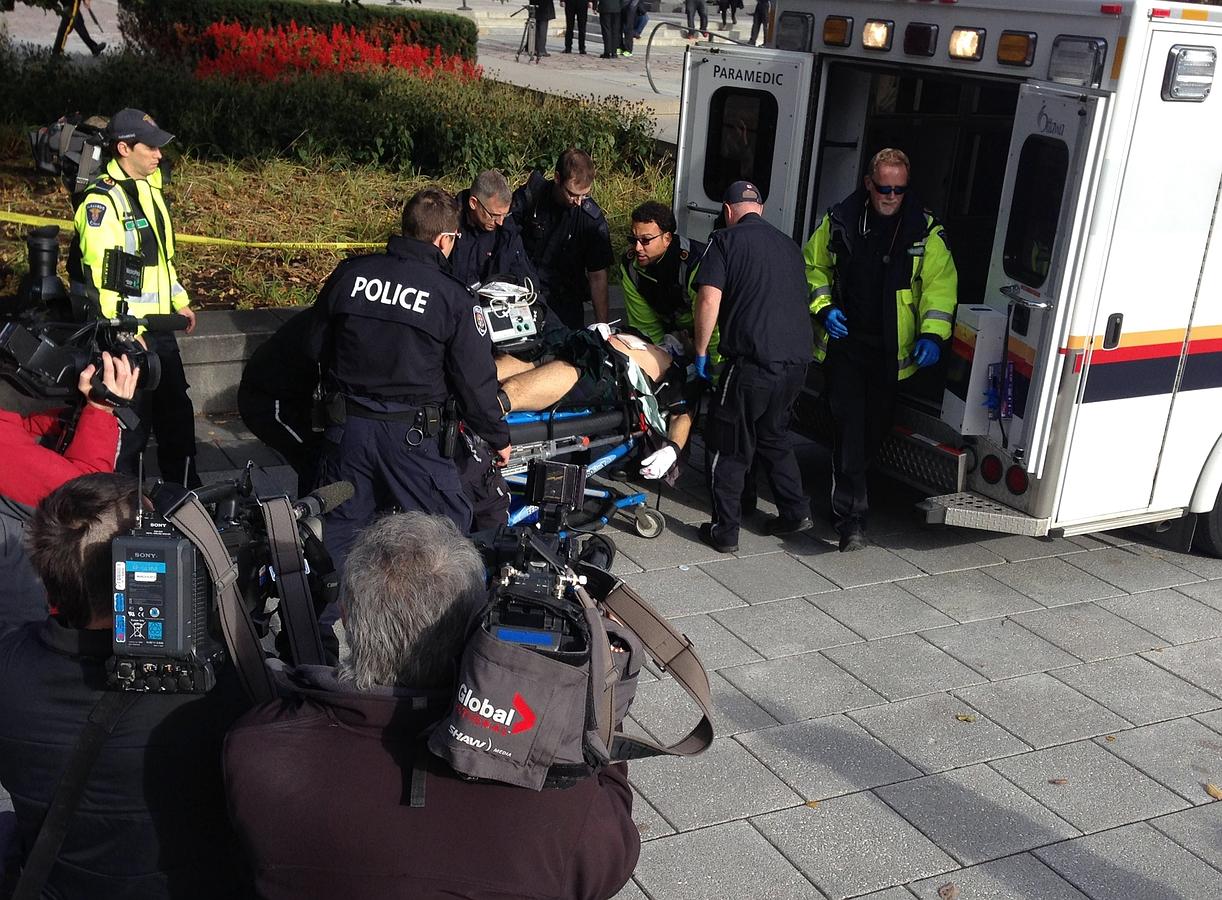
(387, 474)
(749, 420)
(759, 19)
(575, 13)
(74, 20)
(861, 388)
(168, 414)
(482, 482)
(285, 425)
(608, 23)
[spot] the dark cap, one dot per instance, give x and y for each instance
(133, 126)
(742, 192)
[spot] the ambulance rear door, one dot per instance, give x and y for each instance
(1037, 253)
(744, 115)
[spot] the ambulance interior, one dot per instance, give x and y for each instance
(956, 131)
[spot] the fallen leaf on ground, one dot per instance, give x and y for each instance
(1110, 737)
(1058, 781)
(949, 891)
(964, 717)
(1214, 791)
(813, 804)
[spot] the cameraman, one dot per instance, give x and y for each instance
(320, 785)
(31, 471)
(125, 238)
(150, 822)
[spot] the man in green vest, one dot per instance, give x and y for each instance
(126, 265)
(883, 286)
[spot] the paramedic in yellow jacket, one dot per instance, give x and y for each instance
(883, 287)
(657, 273)
(126, 255)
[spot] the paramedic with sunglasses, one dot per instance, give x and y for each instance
(883, 287)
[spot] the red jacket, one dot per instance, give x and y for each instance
(318, 790)
(28, 472)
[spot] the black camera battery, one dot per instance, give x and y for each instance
(161, 602)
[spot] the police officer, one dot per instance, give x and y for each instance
(490, 243)
(658, 276)
(567, 237)
(883, 287)
(751, 285)
(396, 334)
(125, 255)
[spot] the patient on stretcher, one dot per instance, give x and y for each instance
(584, 373)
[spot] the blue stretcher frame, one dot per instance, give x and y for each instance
(528, 515)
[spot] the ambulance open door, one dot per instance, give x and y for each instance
(744, 117)
(1036, 255)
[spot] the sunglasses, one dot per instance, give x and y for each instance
(633, 240)
(887, 190)
(495, 217)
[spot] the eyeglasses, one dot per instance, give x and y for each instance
(887, 189)
(495, 217)
(633, 240)
(575, 196)
(454, 234)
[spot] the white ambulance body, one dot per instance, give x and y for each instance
(1073, 150)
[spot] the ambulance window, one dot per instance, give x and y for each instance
(742, 134)
(1035, 208)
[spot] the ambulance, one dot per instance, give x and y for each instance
(1073, 151)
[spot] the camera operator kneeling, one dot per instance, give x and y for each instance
(321, 786)
(32, 470)
(150, 821)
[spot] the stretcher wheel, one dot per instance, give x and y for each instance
(649, 522)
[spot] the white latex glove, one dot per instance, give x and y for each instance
(602, 329)
(672, 345)
(659, 463)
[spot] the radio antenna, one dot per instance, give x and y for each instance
(140, 490)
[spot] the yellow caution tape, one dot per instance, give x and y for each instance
(23, 219)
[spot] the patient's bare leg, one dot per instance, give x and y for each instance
(507, 366)
(539, 388)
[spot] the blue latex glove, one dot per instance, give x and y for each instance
(836, 324)
(702, 368)
(926, 353)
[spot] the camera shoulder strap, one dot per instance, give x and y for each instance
(102, 720)
(297, 610)
(240, 635)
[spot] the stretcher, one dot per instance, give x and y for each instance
(610, 434)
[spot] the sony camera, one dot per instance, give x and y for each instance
(72, 149)
(168, 634)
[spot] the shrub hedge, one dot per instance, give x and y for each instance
(440, 125)
(172, 27)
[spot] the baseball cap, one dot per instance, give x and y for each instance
(742, 192)
(134, 126)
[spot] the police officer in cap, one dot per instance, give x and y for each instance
(396, 334)
(752, 287)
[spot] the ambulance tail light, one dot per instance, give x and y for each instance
(1077, 60)
(966, 43)
(838, 31)
(1016, 480)
(795, 31)
(1190, 73)
(920, 39)
(876, 34)
(1016, 48)
(991, 469)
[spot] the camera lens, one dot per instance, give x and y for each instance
(43, 246)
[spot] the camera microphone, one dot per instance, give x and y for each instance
(322, 501)
(154, 322)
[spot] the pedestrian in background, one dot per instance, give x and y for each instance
(545, 11)
(73, 19)
(729, 6)
(608, 24)
(575, 13)
(759, 20)
(694, 8)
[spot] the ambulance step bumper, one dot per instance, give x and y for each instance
(966, 509)
(922, 462)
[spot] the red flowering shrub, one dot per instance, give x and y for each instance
(268, 54)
